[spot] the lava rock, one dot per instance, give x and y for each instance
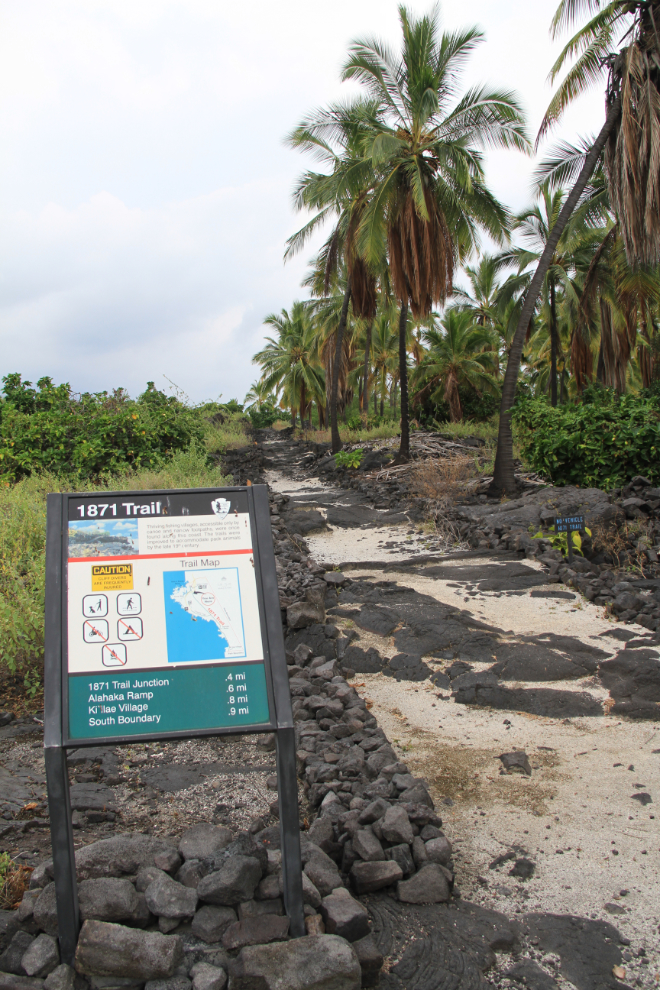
(396, 826)
(303, 614)
(203, 842)
(168, 899)
(367, 846)
(368, 877)
(256, 931)
(211, 922)
(429, 886)
(112, 950)
(41, 957)
(11, 958)
(236, 881)
(108, 899)
(122, 854)
(371, 960)
(315, 962)
(344, 916)
(45, 910)
(63, 977)
(439, 850)
(516, 761)
(206, 977)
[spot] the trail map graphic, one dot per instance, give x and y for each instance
(203, 615)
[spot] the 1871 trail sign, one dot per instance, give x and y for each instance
(163, 621)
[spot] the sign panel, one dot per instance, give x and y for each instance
(164, 618)
(569, 524)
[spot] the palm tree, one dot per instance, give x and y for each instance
(258, 395)
(620, 40)
(333, 135)
(429, 198)
(385, 342)
(290, 361)
(456, 356)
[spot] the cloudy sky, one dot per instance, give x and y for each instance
(145, 191)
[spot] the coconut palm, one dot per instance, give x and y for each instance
(258, 395)
(334, 136)
(620, 42)
(290, 360)
(429, 199)
(385, 345)
(456, 356)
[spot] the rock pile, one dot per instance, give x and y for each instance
(199, 915)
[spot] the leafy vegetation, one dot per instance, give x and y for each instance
(39, 426)
(602, 441)
(349, 458)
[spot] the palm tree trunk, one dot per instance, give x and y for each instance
(503, 474)
(404, 448)
(553, 344)
(336, 440)
(365, 391)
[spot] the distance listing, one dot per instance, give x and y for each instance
(124, 702)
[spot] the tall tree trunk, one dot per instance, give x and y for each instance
(303, 404)
(367, 348)
(503, 474)
(404, 448)
(336, 440)
(562, 388)
(553, 344)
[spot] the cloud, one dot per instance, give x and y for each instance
(145, 184)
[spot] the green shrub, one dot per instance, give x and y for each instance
(602, 441)
(23, 544)
(48, 429)
(349, 458)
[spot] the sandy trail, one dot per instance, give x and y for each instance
(579, 817)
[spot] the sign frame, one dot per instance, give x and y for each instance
(57, 739)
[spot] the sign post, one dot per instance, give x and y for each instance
(569, 525)
(163, 622)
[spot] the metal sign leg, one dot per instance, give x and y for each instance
(287, 790)
(64, 863)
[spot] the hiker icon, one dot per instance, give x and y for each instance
(129, 629)
(94, 606)
(96, 631)
(129, 603)
(114, 655)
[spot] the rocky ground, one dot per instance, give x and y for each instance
(478, 759)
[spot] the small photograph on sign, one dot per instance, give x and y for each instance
(103, 537)
(112, 577)
(114, 655)
(203, 615)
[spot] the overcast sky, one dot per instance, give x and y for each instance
(145, 191)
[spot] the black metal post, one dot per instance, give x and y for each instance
(59, 806)
(287, 783)
(569, 540)
(64, 863)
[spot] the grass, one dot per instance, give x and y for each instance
(219, 437)
(22, 553)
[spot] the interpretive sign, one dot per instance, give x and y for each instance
(163, 622)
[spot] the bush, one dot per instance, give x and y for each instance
(23, 543)
(602, 441)
(476, 408)
(48, 429)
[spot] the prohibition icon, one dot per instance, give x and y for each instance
(114, 655)
(96, 631)
(129, 629)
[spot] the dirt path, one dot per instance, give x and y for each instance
(583, 817)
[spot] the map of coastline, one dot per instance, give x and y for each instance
(203, 615)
